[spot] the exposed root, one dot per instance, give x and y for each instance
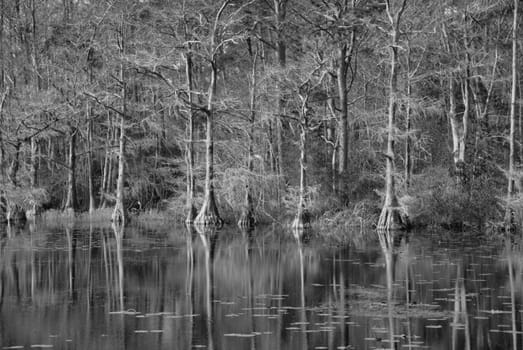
(393, 218)
(33, 213)
(246, 220)
(15, 214)
(301, 224)
(208, 216)
(119, 216)
(191, 215)
(510, 220)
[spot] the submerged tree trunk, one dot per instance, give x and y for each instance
(70, 202)
(391, 216)
(510, 189)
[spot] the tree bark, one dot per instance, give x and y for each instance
(459, 128)
(280, 8)
(70, 202)
(391, 216)
(302, 219)
(408, 142)
(33, 175)
(191, 209)
(247, 215)
(120, 213)
(107, 163)
(512, 147)
(34, 163)
(208, 215)
(343, 132)
(92, 204)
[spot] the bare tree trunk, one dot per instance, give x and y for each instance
(512, 156)
(105, 170)
(247, 216)
(120, 214)
(89, 110)
(408, 142)
(33, 211)
(92, 205)
(208, 215)
(343, 132)
(391, 215)
(106, 174)
(191, 209)
(13, 211)
(34, 163)
(70, 202)
(332, 140)
(280, 8)
(302, 219)
(459, 129)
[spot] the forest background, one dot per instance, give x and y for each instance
(343, 112)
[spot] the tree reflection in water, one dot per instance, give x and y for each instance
(513, 254)
(103, 288)
(208, 239)
(302, 311)
(386, 239)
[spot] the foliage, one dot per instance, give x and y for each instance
(75, 67)
(439, 200)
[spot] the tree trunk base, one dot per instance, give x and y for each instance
(392, 218)
(460, 173)
(510, 221)
(15, 214)
(119, 216)
(246, 220)
(69, 212)
(32, 213)
(301, 224)
(208, 216)
(191, 216)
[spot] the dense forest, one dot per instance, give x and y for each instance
(386, 113)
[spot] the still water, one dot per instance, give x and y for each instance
(92, 287)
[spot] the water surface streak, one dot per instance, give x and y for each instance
(100, 287)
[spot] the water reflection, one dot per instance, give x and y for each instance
(388, 242)
(94, 287)
(208, 239)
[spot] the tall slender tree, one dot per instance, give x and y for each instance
(391, 216)
(513, 102)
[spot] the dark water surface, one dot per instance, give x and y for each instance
(81, 287)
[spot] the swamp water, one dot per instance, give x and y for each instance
(81, 287)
